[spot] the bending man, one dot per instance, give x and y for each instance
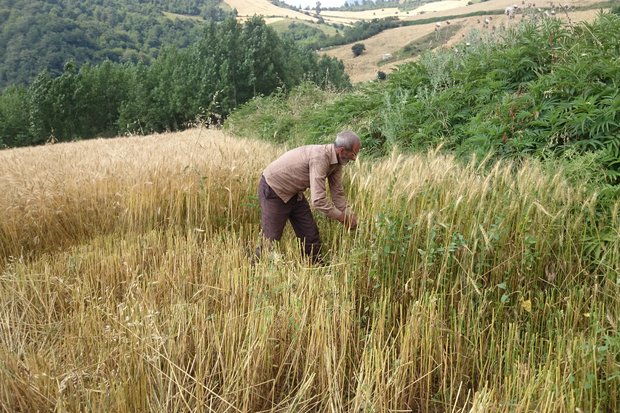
(280, 191)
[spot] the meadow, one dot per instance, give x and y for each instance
(125, 285)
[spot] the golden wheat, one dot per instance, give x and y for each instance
(125, 286)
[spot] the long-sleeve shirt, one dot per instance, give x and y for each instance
(308, 167)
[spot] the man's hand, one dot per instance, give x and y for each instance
(349, 220)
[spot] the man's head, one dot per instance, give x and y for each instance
(347, 145)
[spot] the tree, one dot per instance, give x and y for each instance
(262, 68)
(230, 65)
(40, 114)
(358, 49)
(14, 117)
(101, 90)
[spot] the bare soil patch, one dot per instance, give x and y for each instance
(249, 8)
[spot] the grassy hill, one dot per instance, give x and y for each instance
(414, 26)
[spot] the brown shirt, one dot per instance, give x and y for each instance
(308, 167)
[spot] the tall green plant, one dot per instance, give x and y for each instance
(14, 118)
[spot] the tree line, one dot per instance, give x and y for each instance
(229, 65)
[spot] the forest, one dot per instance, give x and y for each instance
(229, 65)
(37, 35)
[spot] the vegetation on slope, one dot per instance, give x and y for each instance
(365, 29)
(544, 90)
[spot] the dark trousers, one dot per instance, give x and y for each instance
(275, 213)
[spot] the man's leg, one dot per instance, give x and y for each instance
(274, 214)
(306, 230)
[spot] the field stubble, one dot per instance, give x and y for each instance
(125, 286)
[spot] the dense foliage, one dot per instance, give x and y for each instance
(304, 33)
(544, 90)
(358, 49)
(37, 34)
(230, 64)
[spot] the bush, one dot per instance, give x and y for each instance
(358, 49)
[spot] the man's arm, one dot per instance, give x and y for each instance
(318, 195)
(336, 191)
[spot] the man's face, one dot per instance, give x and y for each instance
(344, 155)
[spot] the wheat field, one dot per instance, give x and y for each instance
(125, 286)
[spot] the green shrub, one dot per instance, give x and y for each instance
(358, 49)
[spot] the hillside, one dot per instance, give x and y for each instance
(365, 67)
(390, 42)
(547, 91)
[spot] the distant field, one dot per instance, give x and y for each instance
(249, 8)
(365, 67)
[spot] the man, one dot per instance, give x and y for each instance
(280, 191)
